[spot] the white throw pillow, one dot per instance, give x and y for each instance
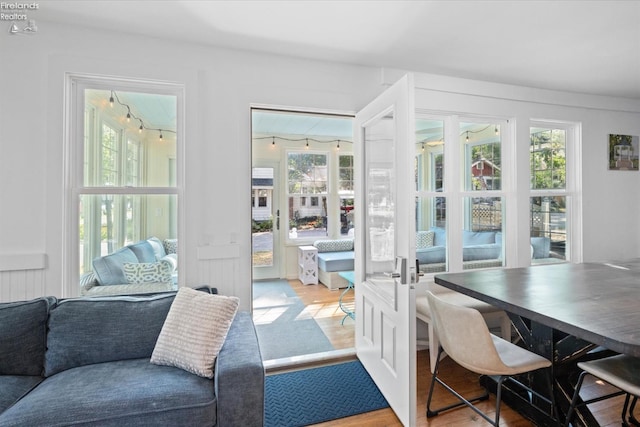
(194, 331)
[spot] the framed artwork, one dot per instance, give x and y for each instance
(623, 152)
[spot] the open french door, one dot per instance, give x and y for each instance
(385, 268)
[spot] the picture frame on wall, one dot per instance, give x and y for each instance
(623, 152)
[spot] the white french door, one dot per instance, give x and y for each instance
(385, 268)
(265, 200)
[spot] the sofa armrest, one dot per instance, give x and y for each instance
(239, 376)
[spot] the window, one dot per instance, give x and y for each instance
(307, 174)
(475, 185)
(125, 188)
(548, 202)
(345, 191)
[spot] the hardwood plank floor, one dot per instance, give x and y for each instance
(322, 304)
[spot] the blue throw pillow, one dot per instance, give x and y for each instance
(109, 269)
(144, 251)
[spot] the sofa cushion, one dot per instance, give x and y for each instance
(23, 336)
(335, 261)
(109, 268)
(472, 238)
(194, 331)
(144, 251)
(171, 260)
(158, 247)
(431, 255)
(13, 387)
(480, 252)
(439, 236)
(541, 247)
(147, 272)
(83, 331)
(339, 245)
(125, 392)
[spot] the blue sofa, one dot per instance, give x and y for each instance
(86, 361)
(480, 249)
(108, 275)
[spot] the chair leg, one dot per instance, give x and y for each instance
(632, 417)
(463, 401)
(574, 400)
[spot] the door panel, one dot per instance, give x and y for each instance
(385, 273)
(265, 209)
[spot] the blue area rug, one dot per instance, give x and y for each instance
(316, 395)
(283, 327)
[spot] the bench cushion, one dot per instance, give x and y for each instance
(335, 261)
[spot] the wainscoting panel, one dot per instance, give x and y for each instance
(20, 285)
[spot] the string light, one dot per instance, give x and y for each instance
(305, 140)
(114, 97)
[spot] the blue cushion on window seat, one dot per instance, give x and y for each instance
(431, 255)
(335, 261)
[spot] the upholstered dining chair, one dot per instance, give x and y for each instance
(465, 337)
(494, 317)
(622, 372)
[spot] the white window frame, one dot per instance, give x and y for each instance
(74, 162)
(573, 186)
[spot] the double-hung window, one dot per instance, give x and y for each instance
(123, 186)
(551, 190)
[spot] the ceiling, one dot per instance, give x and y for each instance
(588, 47)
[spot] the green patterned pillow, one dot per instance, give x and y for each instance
(147, 272)
(424, 239)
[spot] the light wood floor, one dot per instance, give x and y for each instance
(323, 304)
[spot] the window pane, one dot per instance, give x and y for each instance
(431, 241)
(129, 151)
(429, 155)
(346, 194)
(110, 222)
(548, 229)
(307, 174)
(548, 158)
(482, 238)
(482, 160)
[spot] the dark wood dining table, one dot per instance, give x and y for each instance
(564, 312)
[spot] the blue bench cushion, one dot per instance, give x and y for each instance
(335, 261)
(125, 392)
(13, 387)
(480, 252)
(431, 255)
(23, 336)
(83, 331)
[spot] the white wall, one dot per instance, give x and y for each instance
(220, 87)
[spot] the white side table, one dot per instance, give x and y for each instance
(308, 265)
